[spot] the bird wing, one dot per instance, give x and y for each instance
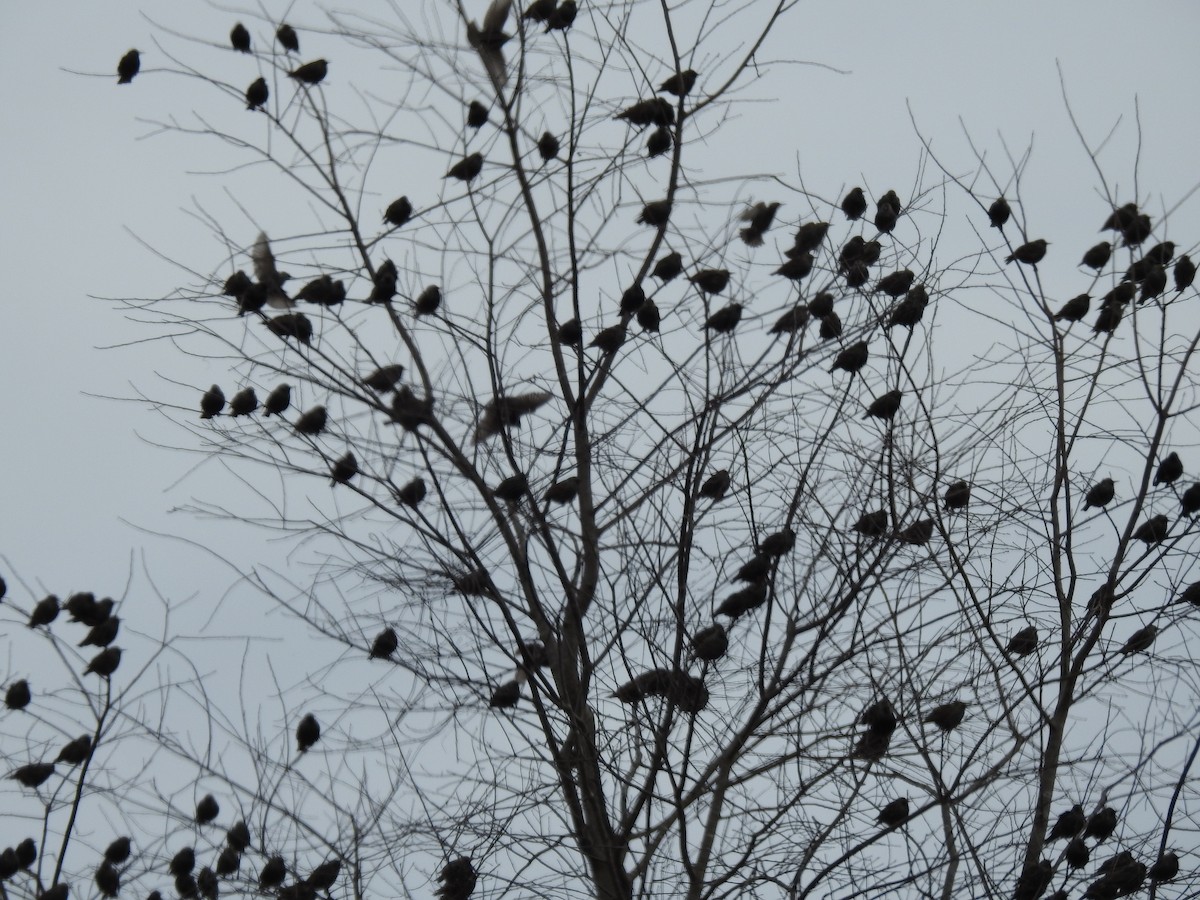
(496, 16)
(264, 261)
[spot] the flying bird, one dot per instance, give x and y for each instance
(758, 217)
(505, 412)
(311, 72)
(489, 39)
(267, 274)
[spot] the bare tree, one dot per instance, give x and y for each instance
(670, 539)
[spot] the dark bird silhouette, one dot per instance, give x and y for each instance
(409, 411)
(206, 883)
(896, 283)
(243, 403)
(18, 695)
(809, 237)
(186, 888)
(779, 543)
(44, 612)
(75, 752)
(609, 340)
(506, 412)
(796, 267)
(680, 84)
(383, 284)
(871, 251)
(909, 311)
(711, 643)
(656, 213)
(1074, 309)
(128, 67)
(648, 316)
(323, 877)
(477, 114)
(895, 813)
(1068, 824)
(385, 378)
(791, 321)
(286, 35)
(84, 608)
(891, 198)
(946, 716)
(1140, 640)
(757, 568)
(872, 745)
(1136, 231)
(238, 836)
(1077, 853)
(1185, 273)
(710, 281)
(724, 320)
(872, 524)
(308, 732)
(1153, 531)
(296, 326)
(886, 217)
(103, 634)
(344, 468)
(32, 775)
(668, 267)
(649, 112)
(1170, 470)
(758, 217)
(1120, 217)
(831, 327)
(539, 10)
(1190, 501)
(1109, 319)
(385, 644)
(879, 717)
(457, 880)
(1097, 256)
(278, 400)
(311, 72)
(852, 358)
(207, 809)
(467, 168)
(105, 662)
(511, 489)
(533, 654)
(489, 39)
(1034, 880)
(854, 204)
(562, 17)
(182, 862)
(740, 602)
(398, 212)
(1165, 868)
(851, 252)
(253, 298)
(659, 142)
(1031, 253)
(270, 279)
(632, 299)
(273, 872)
(999, 213)
(570, 333)
(547, 146)
(8, 864)
(312, 422)
(885, 406)
(1101, 824)
(821, 305)
(1153, 284)
(563, 491)
(108, 880)
(918, 533)
(1122, 875)
(239, 37)
(1024, 641)
(1161, 254)
(957, 495)
(257, 94)
(506, 695)
(26, 853)
(1191, 594)
(118, 851)
(428, 301)
(857, 275)
(476, 583)
(716, 485)
(212, 402)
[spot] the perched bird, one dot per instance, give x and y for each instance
(118, 851)
(408, 410)
(609, 340)
(886, 217)
(649, 112)
(1077, 853)
(1119, 218)
(505, 412)
(852, 358)
(880, 716)
(476, 583)
(1097, 257)
(412, 493)
(75, 752)
(562, 17)
(105, 662)
(1140, 640)
(103, 634)
(632, 299)
(1153, 531)
(1074, 309)
(1122, 876)
(477, 114)
(207, 809)
(570, 333)
(1185, 273)
(896, 283)
(917, 533)
(1068, 824)
(273, 872)
(1034, 880)
(1031, 253)
(467, 168)
(710, 281)
(344, 468)
(212, 402)
(44, 612)
(206, 883)
(999, 213)
(398, 212)
(1101, 824)
(547, 146)
(18, 695)
(668, 267)
(278, 400)
(1160, 254)
(108, 880)
(313, 421)
(1191, 594)
(489, 39)
(947, 716)
(182, 862)
(871, 251)
(909, 311)
(958, 495)
(296, 326)
(1153, 284)
(725, 319)
(506, 695)
(1170, 470)
(243, 403)
(286, 35)
(743, 601)
(821, 305)
(659, 142)
(385, 644)
(1136, 231)
(1165, 868)
(851, 252)
(758, 217)
(1190, 501)
(648, 316)
(457, 879)
(1024, 641)
(323, 291)
(428, 301)
(711, 643)
(257, 94)
(656, 213)
(716, 485)
(238, 836)
(797, 267)
(757, 568)
(32, 775)
(539, 10)
(385, 378)
(809, 237)
(872, 524)
(84, 608)
(884, 406)
(854, 204)
(323, 877)
(680, 83)
(383, 283)
(308, 732)
(239, 37)
(511, 489)
(128, 67)
(857, 275)
(563, 491)
(779, 543)
(791, 321)
(895, 813)
(311, 72)
(831, 327)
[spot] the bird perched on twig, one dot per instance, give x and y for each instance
(711, 643)
(947, 716)
(286, 35)
(1024, 641)
(212, 402)
(710, 281)
(885, 406)
(1068, 824)
(563, 491)
(1100, 494)
(668, 267)
(278, 400)
(895, 813)
(743, 601)
(957, 495)
(680, 83)
(1074, 309)
(716, 485)
(999, 213)
(1140, 640)
(385, 644)
(311, 72)
(852, 358)
(1030, 253)
(854, 204)
(1097, 256)
(1154, 530)
(1170, 469)
(412, 493)
(656, 111)
(45, 611)
(398, 212)
(257, 94)
(466, 169)
(656, 213)
(128, 67)
(458, 879)
(308, 732)
(724, 320)
(243, 403)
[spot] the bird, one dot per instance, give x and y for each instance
(1160, 254)
(656, 111)
(1153, 531)
(511, 489)
(957, 495)
(947, 716)
(207, 809)
(563, 491)
(409, 411)
(831, 327)
(872, 745)
(809, 237)
(894, 813)
(243, 403)
(105, 662)
(562, 17)
(1140, 640)
(659, 142)
(296, 326)
(743, 601)
(308, 732)
(632, 299)
(457, 879)
(1024, 641)
(758, 217)
(207, 884)
(656, 213)
(44, 612)
(128, 67)
(857, 275)
(398, 212)
(239, 37)
(895, 283)
(477, 114)
(1184, 273)
(489, 39)
(880, 716)
(1030, 253)
(886, 217)
(18, 695)
(268, 276)
(725, 319)
(1068, 824)
(648, 316)
(852, 358)
(1136, 231)
(238, 836)
(917, 533)
(1153, 284)
(1074, 309)
(323, 877)
(385, 644)
(467, 168)
(539, 10)
(344, 468)
(668, 267)
(821, 305)
(1120, 217)
(716, 485)
(854, 204)
(506, 411)
(547, 146)
(909, 311)
(476, 583)
(286, 35)
(570, 333)
(383, 283)
(1101, 824)
(411, 493)
(791, 321)
(182, 862)
(1076, 853)
(1121, 876)
(84, 608)
(609, 340)
(385, 378)
(278, 400)
(1034, 880)
(311, 72)
(118, 851)
(758, 567)
(108, 880)
(313, 421)
(711, 643)
(212, 402)
(1108, 320)
(75, 752)
(257, 94)
(710, 281)
(103, 634)
(680, 83)
(1097, 257)
(1190, 500)
(884, 406)
(1165, 868)
(797, 267)
(32, 775)
(999, 213)
(872, 524)
(778, 543)
(506, 695)
(273, 872)
(1170, 470)
(428, 301)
